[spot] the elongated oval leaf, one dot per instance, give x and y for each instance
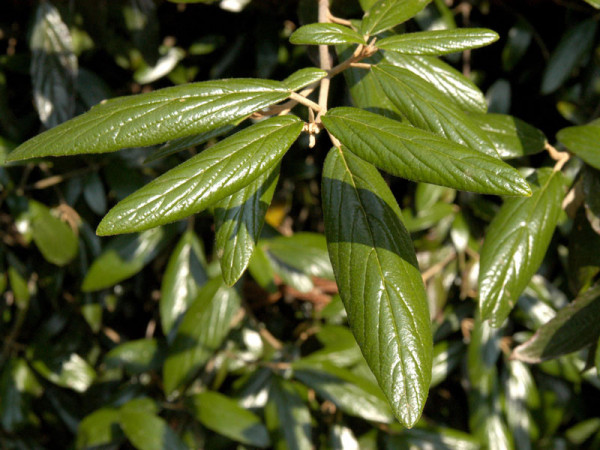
(426, 108)
(304, 77)
(515, 244)
(239, 219)
(386, 14)
(584, 141)
(418, 155)
(574, 327)
(384, 294)
(147, 431)
(288, 412)
(201, 332)
(205, 178)
(325, 34)
(445, 78)
(136, 357)
(155, 117)
(438, 42)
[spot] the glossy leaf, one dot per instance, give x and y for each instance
(418, 155)
(224, 416)
(386, 14)
(147, 431)
(53, 66)
(136, 357)
(351, 393)
(70, 371)
(125, 256)
(239, 219)
(574, 44)
(200, 334)
(184, 276)
(304, 77)
(584, 141)
(443, 77)
(384, 295)
(325, 34)
(438, 438)
(515, 244)
(155, 117)
(426, 108)
(438, 42)
(290, 415)
(205, 178)
(512, 137)
(573, 328)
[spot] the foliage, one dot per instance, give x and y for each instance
(371, 252)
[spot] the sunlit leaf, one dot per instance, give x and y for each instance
(325, 34)
(386, 14)
(438, 42)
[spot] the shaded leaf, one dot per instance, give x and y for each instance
(591, 186)
(136, 357)
(418, 155)
(99, 428)
(573, 328)
(522, 399)
(438, 42)
(519, 38)
(386, 14)
(325, 34)
(147, 431)
(155, 117)
(584, 258)
(446, 356)
(515, 244)
(93, 192)
(438, 438)
(584, 141)
(304, 77)
(205, 178)
(384, 295)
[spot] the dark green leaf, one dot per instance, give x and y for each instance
(591, 186)
(262, 270)
(426, 108)
(205, 178)
(99, 428)
(20, 290)
(515, 244)
(573, 328)
(304, 77)
(53, 66)
(290, 415)
(386, 14)
(437, 438)
(597, 357)
(93, 192)
(384, 295)
(325, 34)
(184, 276)
(584, 258)
(224, 416)
(438, 42)
(512, 137)
(239, 219)
(155, 117)
(200, 334)
(418, 155)
(446, 356)
(522, 398)
(443, 77)
(14, 407)
(5, 147)
(340, 347)
(573, 45)
(147, 431)
(519, 38)
(125, 256)
(584, 141)
(136, 357)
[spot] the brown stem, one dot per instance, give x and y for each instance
(324, 58)
(561, 158)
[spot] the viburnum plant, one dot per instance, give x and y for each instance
(413, 117)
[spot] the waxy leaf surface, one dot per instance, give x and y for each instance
(384, 294)
(418, 155)
(325, 34)
(205, 178)
(438, 42)
(304, 77)
(515, 244)
(386, 14)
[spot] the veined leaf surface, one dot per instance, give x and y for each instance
(426, 108)
(438, 42)
(386, 14)
(325, 34)
(418, 155)
(515, 244)
(205, 178)
(384, 295)
(304, 77)
(155, 117)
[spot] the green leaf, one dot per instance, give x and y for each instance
(53, 66)
(184, 276)
(594, 3)
(94, 194)
(384, 294)
(200, 334)
(446, 356)
(515, 244)
(125, 256)
(512, 137)
(353, 394)
(99, 428)
(584, 141)
(583, 260)
(155, 117)
(438, 438)
(290, 417)
(522, 398)
(304, 77)
(591, 186)
(147, 431)
(443, 77)
(438, 42)
(574, 327)
(55, 239)
(325, 34)
(426, 108)
(136, 357)
(239, 219)
(205, 178)
(574, 44)
(386, 14)
(418, 155)
(224, 416)
(70, 371)
(519, 39)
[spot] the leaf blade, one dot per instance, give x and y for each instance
(438, 42)
(325, 34)
(386, 14)
(583, 140)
